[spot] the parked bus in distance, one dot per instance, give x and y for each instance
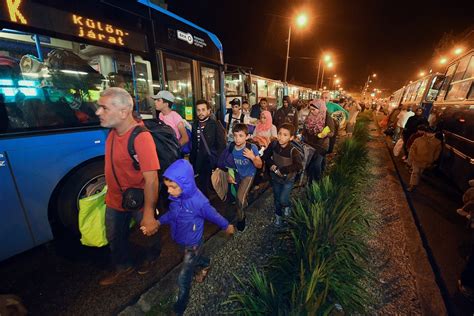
(241, 83)
(396, 99)
(56, 58)
(422, 93)
(453, 113)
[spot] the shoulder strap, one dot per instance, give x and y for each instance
(131, 145)
(242, 117)
(248, 145)
(112, 162)
(203, 138)
(228, 121)
(231, 147)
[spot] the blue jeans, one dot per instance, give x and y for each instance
(117, 224)
(193, 259)
(281, 192)
(316, 167)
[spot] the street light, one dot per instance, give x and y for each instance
(458, 50)
(443, 60)
(301, 20)
(329, 63)
(421, 74)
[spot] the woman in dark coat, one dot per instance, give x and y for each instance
(318, 128)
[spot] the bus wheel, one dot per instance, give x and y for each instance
(86, 181)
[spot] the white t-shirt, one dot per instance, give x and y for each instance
(233, 121)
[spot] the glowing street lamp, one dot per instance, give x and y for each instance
(374, 75)
(443, 60)
(458, 50)
(421, 74)
(301, 21)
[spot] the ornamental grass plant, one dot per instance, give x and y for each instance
(321, 267)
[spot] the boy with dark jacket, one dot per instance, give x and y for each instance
(188, 210)
(208, 142)
(284, 162)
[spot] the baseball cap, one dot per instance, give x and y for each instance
(235, 101)
(165, 95)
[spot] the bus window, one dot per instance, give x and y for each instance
(471, 92)
(470, 69)
(447, 81)
(463, 63)
(421, 90)
(178, 81)
(458, 91)
(210, 86)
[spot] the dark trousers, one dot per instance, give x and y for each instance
(467, 275)
(193, 258)
(316, 167)
(203, 180)
(332, 140)
(117, 224)
(281, 192)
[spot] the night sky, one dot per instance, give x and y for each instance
(395, 39)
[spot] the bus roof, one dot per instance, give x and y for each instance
(213, 37)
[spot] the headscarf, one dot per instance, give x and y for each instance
(316, 122)
(268, 122)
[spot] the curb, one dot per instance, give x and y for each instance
(428, 286)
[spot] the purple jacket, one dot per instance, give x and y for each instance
(188, 211)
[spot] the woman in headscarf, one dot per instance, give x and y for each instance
(265, 131)
(318, 128)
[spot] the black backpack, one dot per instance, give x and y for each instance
(229, 120)
(167, 145)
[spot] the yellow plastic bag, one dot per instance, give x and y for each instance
(324, 132)
(92, 220)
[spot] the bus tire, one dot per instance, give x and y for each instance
(85, 181)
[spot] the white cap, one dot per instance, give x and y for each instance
(165, 95)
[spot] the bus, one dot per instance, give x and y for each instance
(453, 113)
(396, 99)
(422, 93)
(55, 59)
(243, 84)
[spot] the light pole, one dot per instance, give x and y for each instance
(301, 21)
(367, 82)
(329, 65)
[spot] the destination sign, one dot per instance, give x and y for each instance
(71, 23)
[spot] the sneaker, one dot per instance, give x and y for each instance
(466, 291)
(287, 211)
(116, 276)
(241, 225)
(146, 266)
(278, 221)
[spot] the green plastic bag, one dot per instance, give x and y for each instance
(92, 220)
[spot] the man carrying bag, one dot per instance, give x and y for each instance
(208, 142)
(131, 193)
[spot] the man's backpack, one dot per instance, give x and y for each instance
(167, 145)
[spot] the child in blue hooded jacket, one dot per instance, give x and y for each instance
(187, 211)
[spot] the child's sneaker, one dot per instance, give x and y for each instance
(241, 225)
(278, 221)
(287, 211)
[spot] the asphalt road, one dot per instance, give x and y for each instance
(449, 240)
(62, 278)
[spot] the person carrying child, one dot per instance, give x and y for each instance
(241, 160)
(284, 162)
(188, 209)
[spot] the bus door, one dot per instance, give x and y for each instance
(15, 230)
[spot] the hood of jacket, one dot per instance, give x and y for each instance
(182, 173)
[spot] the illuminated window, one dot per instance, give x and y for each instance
(178, 80)
(210, 86)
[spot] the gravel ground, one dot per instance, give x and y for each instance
(252, 247)
(395, 287)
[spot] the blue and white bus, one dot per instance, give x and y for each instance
(55, 59)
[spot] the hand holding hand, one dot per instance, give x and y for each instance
(149, 226)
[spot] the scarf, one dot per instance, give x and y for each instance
(268, 122)
(315, 122)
